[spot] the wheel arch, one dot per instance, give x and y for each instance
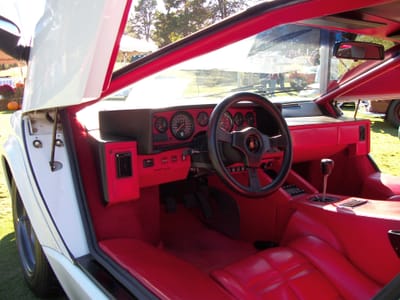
(8, 176)
(392, 114)
(16, 167)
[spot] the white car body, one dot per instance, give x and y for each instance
(77, 78)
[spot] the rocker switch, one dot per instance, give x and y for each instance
(124, 164)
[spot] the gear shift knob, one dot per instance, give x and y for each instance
(327, 165)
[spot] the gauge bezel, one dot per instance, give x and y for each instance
(202, 118)
(250, 119)
(189, 127)
(222, 125)
(238, 119)
(161, 128)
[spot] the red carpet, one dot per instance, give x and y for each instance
(185, 236)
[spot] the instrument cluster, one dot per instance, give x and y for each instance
(182, 125)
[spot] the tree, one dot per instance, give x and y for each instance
(222, 9)
(142, 19)
(180, 19)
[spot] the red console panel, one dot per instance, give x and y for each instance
(163, 167)
(119, 171)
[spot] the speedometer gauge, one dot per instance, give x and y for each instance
(182, 125)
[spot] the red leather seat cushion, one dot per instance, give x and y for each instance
(307, 268)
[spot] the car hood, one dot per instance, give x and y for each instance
(71, 51)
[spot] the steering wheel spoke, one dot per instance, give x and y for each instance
(277, 141)
(223, 136)
(254, 180)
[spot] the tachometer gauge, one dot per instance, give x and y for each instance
(161, 124)
(226, 122)
(182, 125)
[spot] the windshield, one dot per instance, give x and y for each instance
(282, 63)
(288, 63)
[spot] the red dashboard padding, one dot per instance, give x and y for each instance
(307, 268)
(119, 185)
(163, 274)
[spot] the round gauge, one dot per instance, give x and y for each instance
(226, 122)
(250, 118)
(202, 118)
(161, 124)
(182, 125)
(238, 119)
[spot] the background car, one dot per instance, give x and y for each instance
(390, 109)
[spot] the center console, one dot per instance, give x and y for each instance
(367, 231)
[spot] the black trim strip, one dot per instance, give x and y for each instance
(98, 273)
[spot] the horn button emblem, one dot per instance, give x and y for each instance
(253, 143)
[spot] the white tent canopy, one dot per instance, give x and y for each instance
(130, 44)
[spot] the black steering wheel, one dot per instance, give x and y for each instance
(252, 145)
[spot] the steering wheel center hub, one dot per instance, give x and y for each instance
(253, 143)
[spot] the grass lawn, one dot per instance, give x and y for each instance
(385, 144)
(385, 151)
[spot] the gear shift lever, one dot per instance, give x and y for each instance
(326, 169)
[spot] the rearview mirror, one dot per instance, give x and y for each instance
(358, 50)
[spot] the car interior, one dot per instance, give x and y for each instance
(245, 198)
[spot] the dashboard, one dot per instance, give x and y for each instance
(166, 129)
(140, 148)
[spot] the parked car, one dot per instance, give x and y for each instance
(195, 185)
(390, 108)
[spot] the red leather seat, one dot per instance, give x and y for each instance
(394, 198)
(306, 268)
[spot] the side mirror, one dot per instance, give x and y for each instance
(9, 38)
(358, 50)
